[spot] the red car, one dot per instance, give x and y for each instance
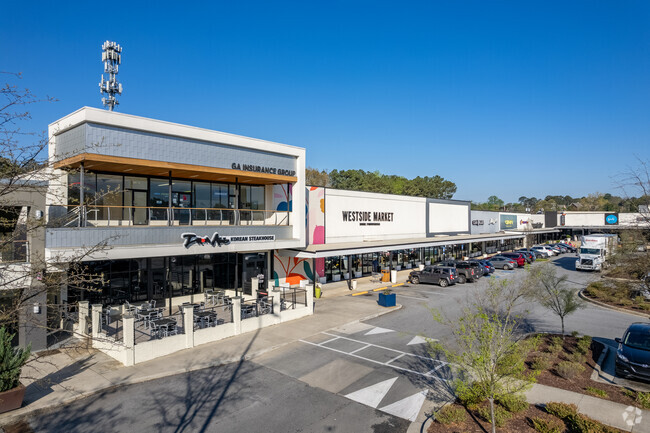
(517, 257)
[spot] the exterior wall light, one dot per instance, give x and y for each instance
(37, 308)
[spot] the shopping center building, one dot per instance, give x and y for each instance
(174, 216)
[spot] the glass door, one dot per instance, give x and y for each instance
(135, 210)
(182, 200)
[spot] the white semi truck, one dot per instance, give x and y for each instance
(594, 251)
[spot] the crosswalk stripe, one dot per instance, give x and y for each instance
(372, 395)
(407, 408)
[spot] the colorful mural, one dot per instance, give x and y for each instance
(316, 223)
(291, 269)
(282, 197)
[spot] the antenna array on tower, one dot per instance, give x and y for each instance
(112, 57)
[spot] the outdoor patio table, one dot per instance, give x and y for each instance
(206, 317)
(159, 324)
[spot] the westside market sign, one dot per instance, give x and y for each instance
(215, 240)
(368, 218)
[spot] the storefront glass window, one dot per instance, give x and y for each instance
(109, 193)
(159, 197)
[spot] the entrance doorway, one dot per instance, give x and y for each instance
(136, 206)
(253, 265)
(182, 200)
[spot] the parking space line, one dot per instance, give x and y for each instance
(396, 358)
(361, 348)
(379, 362)
(385, 348)
(435, 369)
(331, 339)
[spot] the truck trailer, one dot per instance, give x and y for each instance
(595, 251)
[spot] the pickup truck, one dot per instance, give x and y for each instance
(466, 271)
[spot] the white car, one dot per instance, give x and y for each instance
(544, 249)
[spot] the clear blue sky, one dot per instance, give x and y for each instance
(502, 97)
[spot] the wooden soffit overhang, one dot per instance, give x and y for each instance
(145, 167)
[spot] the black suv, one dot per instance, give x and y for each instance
(633, 354)
(466, 271)
(443, 276)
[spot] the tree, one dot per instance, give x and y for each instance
(552, 293)
(487, 349)
(313, 177)
(28, 281)
(494, 202)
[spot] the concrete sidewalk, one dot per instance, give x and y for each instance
(67, 374)
(626, 418)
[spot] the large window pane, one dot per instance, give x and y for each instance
(109, 193)
(201, 199)
(133, 182)
(159, 197)
(182, 186)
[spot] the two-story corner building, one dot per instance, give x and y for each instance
(162, 211)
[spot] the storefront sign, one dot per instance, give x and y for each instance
(493, 221)
(367, 218)
(537, 225)
(478, 222)
(190, 239)
(611, 219)
(262, 169)
(508, 222)
(523, 222)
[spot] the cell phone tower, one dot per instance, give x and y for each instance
(112, 57)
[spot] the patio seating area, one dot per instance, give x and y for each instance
(138, 332)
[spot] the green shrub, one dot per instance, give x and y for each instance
(513, 403)
(577, 357)
(561, 410)
(541, 361)
(574, 333)
(595, 391)
(556, 345)
(470, 395)
(547, 426)
(12, 361)
(501, 416)
(451, 414)
(568, 369)
(583, 344)
(575, 422)
(643, 398)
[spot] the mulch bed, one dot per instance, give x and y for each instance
(583, 380)
(624, 305)
(519, 422)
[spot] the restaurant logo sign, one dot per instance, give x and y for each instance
(478, 222)
(368, 218)
(493, 221)
(508, 222)
(190, 239)
(537, 225)
(262, 169)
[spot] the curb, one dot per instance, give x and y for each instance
(26, 411)
(610, 307)
(597, 369)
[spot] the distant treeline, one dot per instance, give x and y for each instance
(592, 202)
(374, 181)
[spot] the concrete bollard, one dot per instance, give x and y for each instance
(310, 298)
(393, 276)
(276, 302)
(84, 312)
(128, 334)
(236, 314)
(96, 320)
(188, 325)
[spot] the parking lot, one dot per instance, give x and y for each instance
(384, 362)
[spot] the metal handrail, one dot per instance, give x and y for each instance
(108, 214)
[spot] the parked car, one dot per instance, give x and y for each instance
(530, 257)
(538, 254)
(480, 266)
(504, 263)
(545, 249)
(488, 267)
(562, 248)
(633, 354)
(517, 257)
(466, 272)
(443, 276)
(570, 248)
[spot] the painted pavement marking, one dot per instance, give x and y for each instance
(416, 340)
(372, 395)
(378, 330)
(407, 408)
